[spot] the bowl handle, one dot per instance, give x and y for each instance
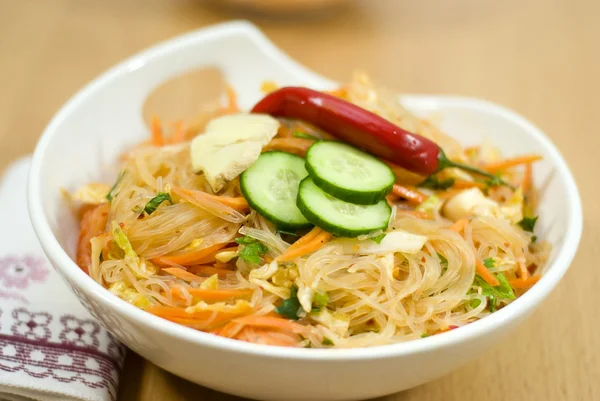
(239, 49)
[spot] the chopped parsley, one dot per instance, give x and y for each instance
(489, 263)
(245, 240)
(432, 182)
(502, 291)
(290, 307)
(528, 223)
(320, 300)
(252, 251)
(155, 202)
(425, 335)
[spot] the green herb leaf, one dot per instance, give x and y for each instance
(245, 240)
(155, 202)
(534, 238)
(425, 335)
(303, 135)
(502, 291)
(528, 223)
(252, 251)
(378, 238)
(432, 182)
(327, 341)
(489, 263)
(321, 299)
(290, 306)
(111, 194)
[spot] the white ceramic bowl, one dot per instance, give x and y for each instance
(105, 118)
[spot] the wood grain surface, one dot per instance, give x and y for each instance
(539, 57)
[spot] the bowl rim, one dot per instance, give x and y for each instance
(67, 267)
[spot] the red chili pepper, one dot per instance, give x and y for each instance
(360, 128)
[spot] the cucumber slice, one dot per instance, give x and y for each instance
(338, 217)
(270, 186)
(348, 173)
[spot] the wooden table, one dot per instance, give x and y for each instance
(539, 57)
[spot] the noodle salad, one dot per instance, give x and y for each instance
(317, 219)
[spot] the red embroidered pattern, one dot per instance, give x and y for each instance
(76, 358)
(18, 272)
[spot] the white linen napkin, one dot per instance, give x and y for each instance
(51, 349)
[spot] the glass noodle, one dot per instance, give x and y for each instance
(185, 265)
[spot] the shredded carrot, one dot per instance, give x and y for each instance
(195, 197)
(312, 246)
(179, 134)
(527, 182)
(485, 273)
(199, 324)
(205, 255)
(267, 337)
(448, 194)
(404, 176)
(459, 225)
(504, 164)
(232, 106)
(416, 213)
(285, 132)
(461, 184)
(297, 146)
(271, 322)
(212, 295)
(520, 283)
(172, 311)
(409, 193)
(210, 270)
(264, 329)
(306, 238)
(157, 132)
(182, 274)
(229, 330)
